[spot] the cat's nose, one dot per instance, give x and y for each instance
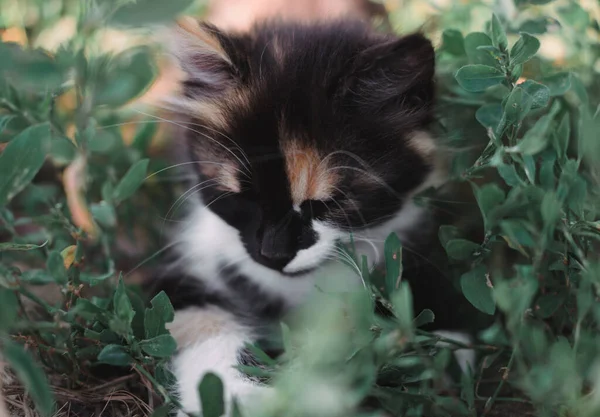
(275, 258)
(279, 243)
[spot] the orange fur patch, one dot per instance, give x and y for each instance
(309, 174)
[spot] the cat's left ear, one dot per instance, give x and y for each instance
(202, 53)
(399, 70)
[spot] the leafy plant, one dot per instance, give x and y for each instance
(83, 195)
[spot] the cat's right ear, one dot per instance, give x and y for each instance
(200, 52)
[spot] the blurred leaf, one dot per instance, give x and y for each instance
(524, 49)
(123, 310)
(104, 213)
(162, 346)
(425, 317)
(498, 34)
(489, 115)
(453, 42)
(115, 355)
(211, 395)
(37, 277)
(517, 106)
(68, 255)
(127, 76)
(56, 267)
(146, 12)
(5, 120)
(461, 249)
(22, 159)
(393, 262)
(475, 78)
(548, 304)
(489, 197)
(9, 308)
(33, 70)
(516, 233)
(31, 376)
(477, 288)
(539, 26)
(561, 138)
(477, 56)
(132, 180)
(447, 232)
(558, 83)
(509, 175)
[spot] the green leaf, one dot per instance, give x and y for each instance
(539, 93)
(402, 301)
(453, 42)
(123, 309)
(146, 12)
(472, 43)
(5, 120)
(489, 197)
(558, 83)
(562, 136)
(516, 234)
(393, 262)
(524, 49)
(115, 355)
(498, 34)
(56, 266)
(10, 246)
(535, 139)
(104, 336)
(127, 76)
(509, 175)
(517, 106)
(37, 277)
(540, 26)
(425, 317)
(446, 233)
(211, 395)
(156, 317)
(461, 249)
(477, 289)
(29, 69)
(132, 180)
(286, 337)
(489, 115)
(550, 208)
(475, 78)
(105, 214)
(31, 375)
(162, 346)
(547, 176)
(22, 159)
(547, 305)
(9, 308)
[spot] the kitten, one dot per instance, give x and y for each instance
(300, 135)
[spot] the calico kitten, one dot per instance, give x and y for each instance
(299, 135)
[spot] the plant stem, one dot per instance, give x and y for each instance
(494, 397)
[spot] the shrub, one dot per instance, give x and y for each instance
(82, 195)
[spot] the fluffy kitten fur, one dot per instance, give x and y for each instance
(299, 136)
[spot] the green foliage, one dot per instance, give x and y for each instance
(77, 188)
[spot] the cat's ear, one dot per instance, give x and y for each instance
(399, 71)
(200, 52)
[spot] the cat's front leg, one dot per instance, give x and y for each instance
(210, 340)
